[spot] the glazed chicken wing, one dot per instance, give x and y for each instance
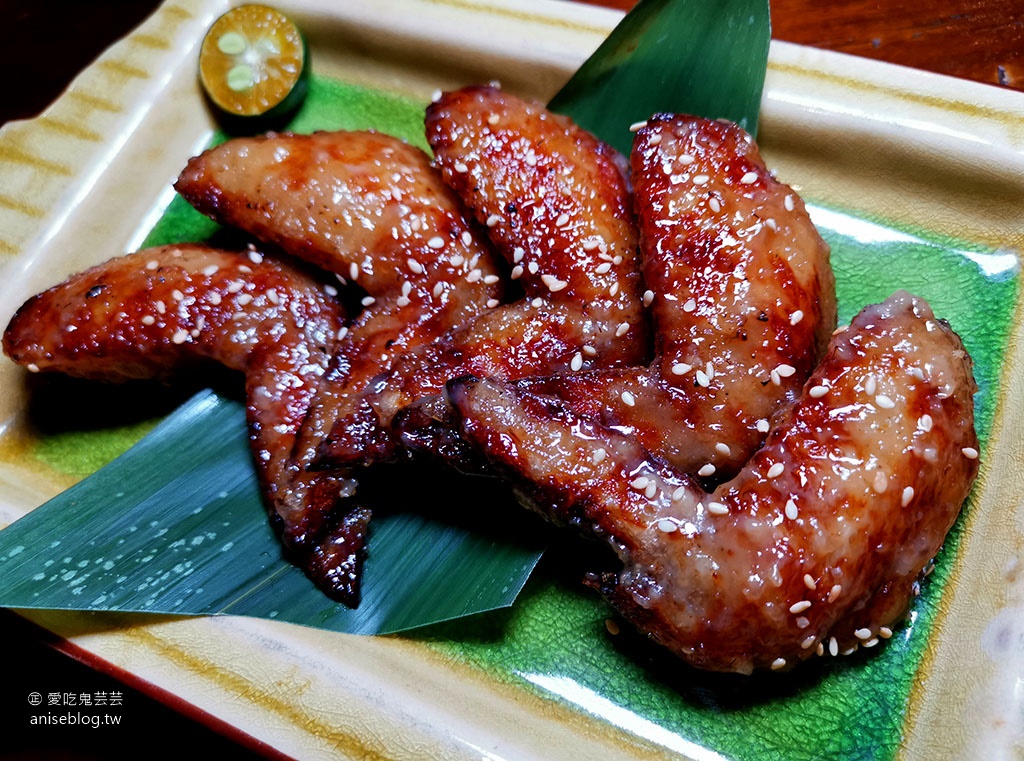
(557, 205)
(815, 547)
(154, 312)
(371, 209)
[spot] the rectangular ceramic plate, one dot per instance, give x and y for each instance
(88, 179)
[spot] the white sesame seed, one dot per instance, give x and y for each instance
(537, 303)
(925, 423)
(639, 483)
(679, 493)
(516, 273)
(491, 279)
(368, 300)
(152, 264)
(493, 220)
(802, 622)
(785, 371)
(460, 167)
(723, 449)
(244, 299)
(970, 453)
(598, 456)
(778, 663)
(491, 303)
(603, 268)
(791, 510)
(211, 270)
(796, 317)
(908, 495)
(884, 402)
(714, 205)
(436, 242)
(255, 257)
(749, 178)
(590, 351)
(648, 297)
(762, 425)
(833, 647)
(577, 362)
(870, 386)
(816, 392)
(177, 295)
(863, 634)
(800, 607)
(655, 139)
(402, 301)
(884, 632)
(685, 159)
(776, 470)
(807, 643)
(622, 329)
(881, 482)
(493, 119)
(651, 490)
(272, 296)
(353, 271)
(702, 379)
(180, 336)
(415, 267)
(563, 220)
(628, 398)
(809, 582)
(148, 319)
(706, 470)
(788, 203)
(667, 525)
(717, 508)
(689, 305)
(775, 377)
(700, 179)
(637, 126)
(474, 275)
(553, 283)
(834, 592)
(681, 368)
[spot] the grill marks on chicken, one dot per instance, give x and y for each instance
(152, 313)
(816, 545)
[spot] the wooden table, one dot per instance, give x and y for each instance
(47, 42)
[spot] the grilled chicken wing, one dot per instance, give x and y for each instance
(814, 547)
(371, 209)
(151, 313)
(557, 205)
(742, 298)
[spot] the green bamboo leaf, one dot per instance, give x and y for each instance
(682, 56)
(175, 525)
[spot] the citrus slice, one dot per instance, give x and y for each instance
(253, 64)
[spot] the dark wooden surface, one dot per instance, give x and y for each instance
(47, 42)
